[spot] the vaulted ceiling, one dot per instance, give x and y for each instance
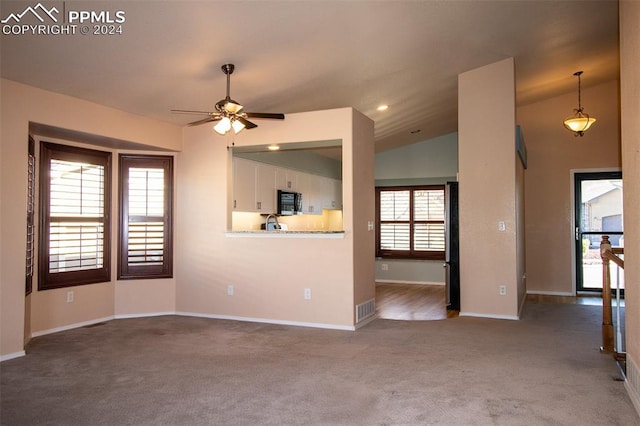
(313, 55)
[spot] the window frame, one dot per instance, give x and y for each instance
(47, 280)
(125, 271)
(411, 253)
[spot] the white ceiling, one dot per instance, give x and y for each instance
(295, 56)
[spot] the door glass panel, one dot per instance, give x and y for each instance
(598, 213)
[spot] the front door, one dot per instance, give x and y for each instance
(598, 210)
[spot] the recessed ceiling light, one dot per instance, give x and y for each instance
(273, 147)
(382, 107)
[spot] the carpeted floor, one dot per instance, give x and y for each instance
(543, 370)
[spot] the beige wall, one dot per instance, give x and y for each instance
(553, 152)
(630, 117)
(363, 205)
(487, 185)
(269, 275)
(23, 104)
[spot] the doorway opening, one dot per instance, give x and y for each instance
(598, 212)
(412, 302)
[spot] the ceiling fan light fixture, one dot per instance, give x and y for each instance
(237, 126)
(580, 121)
(223, 126)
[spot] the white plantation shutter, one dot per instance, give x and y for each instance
(429, 220)
(411, 222)
(145, 193)
(31, 208)
(74, 191)
(146, 216)
(76, 239)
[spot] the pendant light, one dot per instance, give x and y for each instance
(580, 121)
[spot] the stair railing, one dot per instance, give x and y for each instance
(609, 254)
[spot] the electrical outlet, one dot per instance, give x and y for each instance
(503, 290)
(502, 227)
(230, 290)
(307, 294)
(384, 267)
(69, 296)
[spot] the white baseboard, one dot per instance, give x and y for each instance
(187, 314)
(550, 293)
(7, 357)
(492, 316)
(270, 321)
(632, 383)
(71, 326)
(144, 315)
(409, 282)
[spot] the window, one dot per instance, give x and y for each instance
(74, 221)
(410, 222)
(146, 188)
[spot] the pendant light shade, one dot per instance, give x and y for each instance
(580, 121)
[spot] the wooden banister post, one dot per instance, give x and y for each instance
(607, 318)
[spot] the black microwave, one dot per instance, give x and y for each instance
(289, 203)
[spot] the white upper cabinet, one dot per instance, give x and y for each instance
(244, 185)
(265, 188)
(287, 179)
(254, 186)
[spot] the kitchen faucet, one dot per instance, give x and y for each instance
(266, 222)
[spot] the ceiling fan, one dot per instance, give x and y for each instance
(229, 113)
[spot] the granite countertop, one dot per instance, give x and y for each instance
(286, 234)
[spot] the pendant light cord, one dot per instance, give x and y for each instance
(579, 73)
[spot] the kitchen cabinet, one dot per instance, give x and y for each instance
(322, 193)
(244, 185)
(332, 189)
(254, 186)
(287, 179)
(265, 188)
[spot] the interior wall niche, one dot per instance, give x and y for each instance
(313, 169)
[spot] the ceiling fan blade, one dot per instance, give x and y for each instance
(186, 111)
(204, 120)
(247, 123)
(276, 116)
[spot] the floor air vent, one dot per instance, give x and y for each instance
(365, 310)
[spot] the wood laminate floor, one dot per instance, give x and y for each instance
(411, 302)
